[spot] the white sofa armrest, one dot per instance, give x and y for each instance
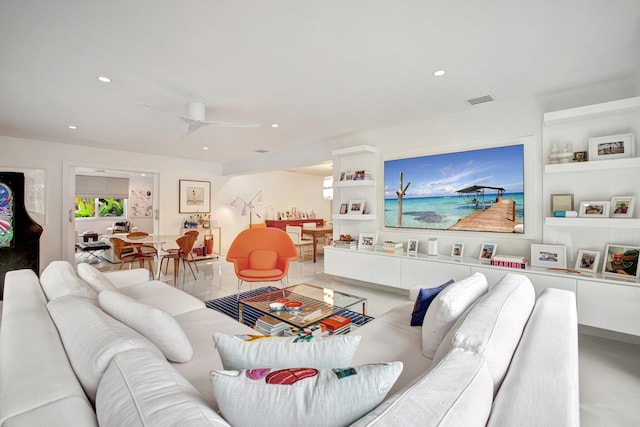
(125, 278)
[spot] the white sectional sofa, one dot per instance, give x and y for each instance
(483, 356)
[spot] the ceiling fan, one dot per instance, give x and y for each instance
(195, 118)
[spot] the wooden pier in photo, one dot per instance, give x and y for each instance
(499, 217)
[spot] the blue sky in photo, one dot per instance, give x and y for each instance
(441, 175)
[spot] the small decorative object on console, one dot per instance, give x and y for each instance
(509, 261)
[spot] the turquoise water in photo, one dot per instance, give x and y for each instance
(439, 212)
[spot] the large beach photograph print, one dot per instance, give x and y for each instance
(477, 190)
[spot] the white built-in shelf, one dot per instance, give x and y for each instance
(352, 151)
(589, 112)
(595, 165)
(355, 183)
(364, 217)
(593, 222)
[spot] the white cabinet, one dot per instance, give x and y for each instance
(364, 266)
(609, 306)
(430, 273)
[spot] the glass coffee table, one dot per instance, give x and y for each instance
(317, 303)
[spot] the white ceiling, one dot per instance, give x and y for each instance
(322, 70)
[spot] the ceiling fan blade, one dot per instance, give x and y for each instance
(230, 124)
(160, 110)
(192, 125)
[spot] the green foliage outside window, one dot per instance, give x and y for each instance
(110, 207)
(85, 208)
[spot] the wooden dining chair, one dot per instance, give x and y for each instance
(129, 253)
(185, 245)
(295, 232)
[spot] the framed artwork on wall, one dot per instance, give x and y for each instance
(195, 196)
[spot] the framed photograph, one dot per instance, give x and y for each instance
(594, 209)
(342, 174)
(561, 202)
(488, 251)
(367, 241)
(348, 176)
(580, 156)
(622, 206)
(550, 256)
(195, 196)
(344, 208)
(356, 207)
(587, 261)
(457, 250)
(611, 147)
(621, 260)
(412, 247)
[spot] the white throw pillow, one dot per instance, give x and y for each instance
(257, 351)
(91, 338)
(95, 278)
(140, 389)
(447, 307)
(302, 396)
(153, 323)
(59, 279)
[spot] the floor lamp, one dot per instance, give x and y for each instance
(248, 207)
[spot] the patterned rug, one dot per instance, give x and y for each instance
(229, 306)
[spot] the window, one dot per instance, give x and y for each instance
(87, 207)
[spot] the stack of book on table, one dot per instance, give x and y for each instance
(337, 324)
(389, 247)
(268, 325)
(509, 261)
(317, 329)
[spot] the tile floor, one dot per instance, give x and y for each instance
(609, 369)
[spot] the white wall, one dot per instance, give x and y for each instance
(280, 189)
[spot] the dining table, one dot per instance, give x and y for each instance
(315, 233)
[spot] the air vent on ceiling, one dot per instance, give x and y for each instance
(480, 100)
(261, 151)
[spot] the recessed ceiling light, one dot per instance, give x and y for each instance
(439, 73)
(205, 148)
(104, 79)
(72, 127)
(275, 125)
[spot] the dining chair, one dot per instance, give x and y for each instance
(185, 246)
(143, 248)
(174, 247)
(128, 254)
(295, 232)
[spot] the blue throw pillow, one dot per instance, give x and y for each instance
(423, 301)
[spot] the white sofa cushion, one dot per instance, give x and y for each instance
(91, 338)
(59, 279)
(253, 351)
(455, 393)
(159, 294)
(155, 324)
(95, 278)
(447, 308)
(302, 396)
(141, 389)
(494, 325)
(544, 369)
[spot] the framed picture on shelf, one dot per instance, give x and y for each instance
(488, 251)
(594, 209)
(561, 202)
(356, 207)
(457, 250)
(342, 176)
(348, 176)
(622, 206)
(343, 208)
(587, 261)
(550, 256)
(367, 241)
(622, 261)
(195, 196)
(412, 247)
(612, 147)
